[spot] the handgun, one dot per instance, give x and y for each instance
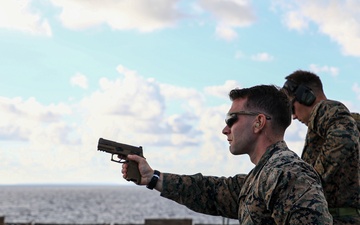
(123, 150)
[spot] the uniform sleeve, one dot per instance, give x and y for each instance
(217, 196)
(338, 129)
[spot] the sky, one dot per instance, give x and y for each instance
(156, 74)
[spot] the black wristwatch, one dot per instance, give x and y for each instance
(154, 180)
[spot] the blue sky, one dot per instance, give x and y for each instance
(155, 74)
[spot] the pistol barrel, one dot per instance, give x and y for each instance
(118, 148)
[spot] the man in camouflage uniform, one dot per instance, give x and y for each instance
(281, 189)
(331, 144)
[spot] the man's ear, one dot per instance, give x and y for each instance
(260, 122)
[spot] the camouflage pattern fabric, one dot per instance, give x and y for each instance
(281, 189)
(356, 116)
(332, 148)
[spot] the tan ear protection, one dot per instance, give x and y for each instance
(257, 125)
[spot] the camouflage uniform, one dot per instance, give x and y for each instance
(281, 189)
(332, 147)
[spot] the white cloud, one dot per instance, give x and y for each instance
(117, 101)
(333, 71)
(233, 13)
(18, 15)
(294, 20)
(262, 57)
(25, 119)
(141, 15)
(222, 91)
(339, 19)
(226, 33)
(193, 98)
(79, 80)
(229, 14)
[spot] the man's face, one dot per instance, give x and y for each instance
(300, 112)
(240, 133)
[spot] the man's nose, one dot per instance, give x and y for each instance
(226, 130)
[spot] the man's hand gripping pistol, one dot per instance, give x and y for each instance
(123, 150)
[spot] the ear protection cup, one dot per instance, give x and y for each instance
(303, 94)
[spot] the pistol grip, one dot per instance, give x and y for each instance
(133, 173)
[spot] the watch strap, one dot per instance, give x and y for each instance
(154, 180)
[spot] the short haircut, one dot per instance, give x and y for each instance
(267, 99)
(306, 78)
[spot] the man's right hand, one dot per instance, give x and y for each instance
(146, 171)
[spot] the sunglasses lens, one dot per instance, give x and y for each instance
(230, 120)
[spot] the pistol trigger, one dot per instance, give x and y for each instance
(114, 160)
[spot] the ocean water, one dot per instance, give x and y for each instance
(91, 204)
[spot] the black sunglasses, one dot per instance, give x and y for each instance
(231, 118)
